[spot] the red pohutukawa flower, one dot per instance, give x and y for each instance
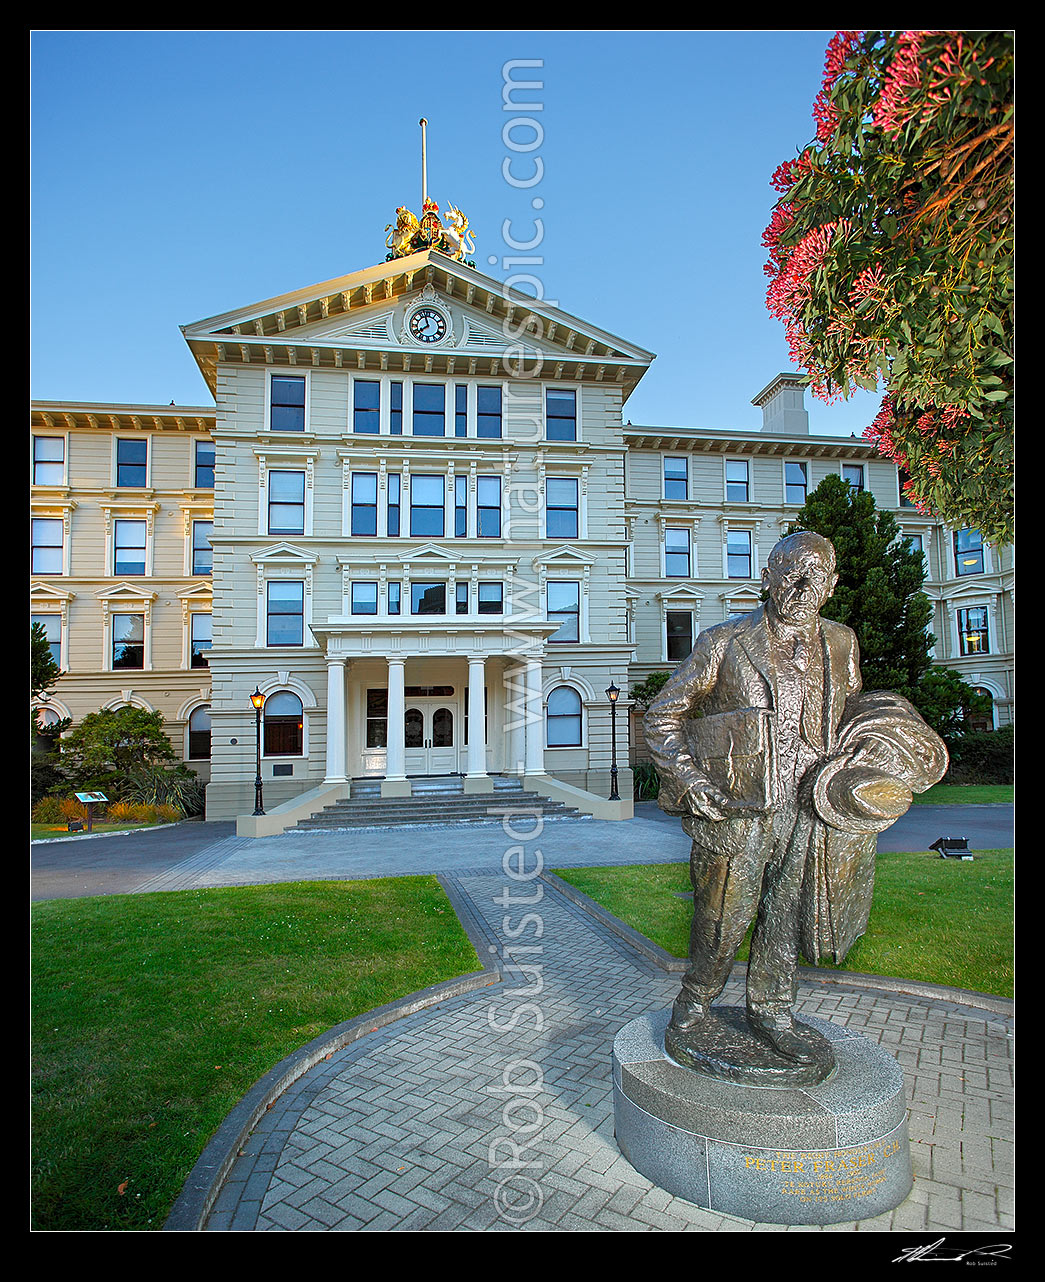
(893, 108)
(787, 294)
(869, 287)
(902, 196)
(782, 217)
(839, 49)
(788, 172)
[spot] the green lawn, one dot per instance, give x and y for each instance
(944, 921)
(38, 832)
(965, 794)
(152, 1015)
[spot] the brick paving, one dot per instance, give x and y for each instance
(412, 1128)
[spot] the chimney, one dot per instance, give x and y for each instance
(782, 402)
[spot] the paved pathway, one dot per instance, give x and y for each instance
(193, 855)
(414, 1126)
(420, 1126)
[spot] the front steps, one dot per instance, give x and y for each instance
(434, 802)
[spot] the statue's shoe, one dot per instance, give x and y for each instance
(686, 1014)
(779, 1032)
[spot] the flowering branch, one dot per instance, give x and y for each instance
(890, 257)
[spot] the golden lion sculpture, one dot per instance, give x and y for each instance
(401, 232)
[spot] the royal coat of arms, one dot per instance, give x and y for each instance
(410, 235)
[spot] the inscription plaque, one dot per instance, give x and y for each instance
(827, 1153)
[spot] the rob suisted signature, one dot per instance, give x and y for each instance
(937, 1251)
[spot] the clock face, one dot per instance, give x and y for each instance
(428, 325)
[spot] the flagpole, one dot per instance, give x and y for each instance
(424, 160)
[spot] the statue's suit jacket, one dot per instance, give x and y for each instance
(731, 669)
(730, 675)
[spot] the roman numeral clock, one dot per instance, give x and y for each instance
(427, 322)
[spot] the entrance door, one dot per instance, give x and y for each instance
(431, 737)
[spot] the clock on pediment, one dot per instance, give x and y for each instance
(427, 324)
(427, 321)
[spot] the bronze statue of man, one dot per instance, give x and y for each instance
(783, 773)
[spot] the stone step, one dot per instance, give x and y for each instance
(433, 806)
(358, 822)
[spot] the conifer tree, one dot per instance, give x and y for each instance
(879, 595)
(43, 671)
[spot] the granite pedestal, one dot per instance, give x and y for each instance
(827, 1153)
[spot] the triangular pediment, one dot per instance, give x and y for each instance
(46, 594)
(681, 593)
(126, 591)
(360, 321)
(973, 588)
(751, 597)
(563, 555)
(430, 552)
(284, 552)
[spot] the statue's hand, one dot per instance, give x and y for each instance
(706, 802)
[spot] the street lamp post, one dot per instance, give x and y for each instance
(613, 694)
(258, 700)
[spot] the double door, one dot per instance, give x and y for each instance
(431, 730)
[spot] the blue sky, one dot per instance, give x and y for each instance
(178, 175)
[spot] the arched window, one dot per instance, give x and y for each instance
(284, 725)
(442, 728)
(414, 728)
(564, 718)
(44, 722)
(982, 720)
(199, 733)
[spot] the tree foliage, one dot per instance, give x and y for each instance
(43, 671)
(891, 258)
(116, 741)
(644, 692)
(879, 595)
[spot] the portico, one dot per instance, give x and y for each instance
(446, 698)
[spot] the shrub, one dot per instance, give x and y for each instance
(982, 756)
(179, 789)
(45, 772)
(646, 691)
(48, 810)
(129, 812)
(59, 810)
(115, 742)
(647, 781)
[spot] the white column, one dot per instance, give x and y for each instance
(335, 721)
(534, 719)
(396, 765)
(514, 712)
(356, 737)
(476, 717)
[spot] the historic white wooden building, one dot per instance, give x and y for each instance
(417, 520)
